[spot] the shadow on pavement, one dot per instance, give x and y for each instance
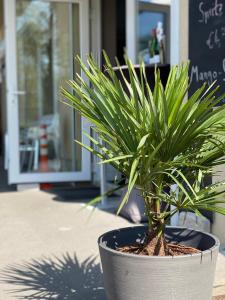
(74, 194)
(63, 278)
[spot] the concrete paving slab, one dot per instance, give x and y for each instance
(219, 284)
(49, 248)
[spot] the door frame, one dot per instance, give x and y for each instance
(14, 174)
(132, 27)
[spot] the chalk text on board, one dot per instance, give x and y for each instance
(216, 38)
(203, 76)
(206, 14)
(213, 39)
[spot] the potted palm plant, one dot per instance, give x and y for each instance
(156, 138)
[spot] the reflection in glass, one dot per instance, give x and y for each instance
(150, 22)
(47, 38)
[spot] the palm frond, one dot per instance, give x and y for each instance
(154, 137)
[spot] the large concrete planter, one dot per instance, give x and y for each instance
(133, 277)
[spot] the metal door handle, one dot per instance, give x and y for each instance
(19, 93)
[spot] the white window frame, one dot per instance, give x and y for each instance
(14, 174)
(131, 25)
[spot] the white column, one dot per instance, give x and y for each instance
(174, 59)
(131, 30)
(103, 184)
(96, 29)
(175, 32)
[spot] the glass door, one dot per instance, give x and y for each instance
(42, 38)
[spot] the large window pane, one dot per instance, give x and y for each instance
(47, 39)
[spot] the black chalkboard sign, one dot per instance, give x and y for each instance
(207, 43)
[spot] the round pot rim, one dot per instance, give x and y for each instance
(145, 257)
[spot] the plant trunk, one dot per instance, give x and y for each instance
(155, 243)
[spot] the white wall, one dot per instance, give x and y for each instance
(179, 31)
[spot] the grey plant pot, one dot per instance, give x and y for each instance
(133, 277)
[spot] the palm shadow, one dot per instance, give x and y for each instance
(62, 278)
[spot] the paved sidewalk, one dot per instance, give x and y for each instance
(49, 249)
(219, 284)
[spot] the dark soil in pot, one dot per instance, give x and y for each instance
(183, 238)
(173, 249)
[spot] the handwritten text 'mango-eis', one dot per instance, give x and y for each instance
(216, 10)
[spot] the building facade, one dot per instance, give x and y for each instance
(38, 41)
